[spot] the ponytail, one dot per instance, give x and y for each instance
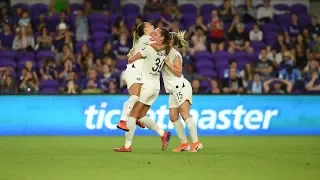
(135, 39)
(182, 42)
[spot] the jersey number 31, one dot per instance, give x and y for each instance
(158, 66)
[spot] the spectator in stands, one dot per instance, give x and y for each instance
(4, 72)
(71, 76)
(31, 69)
(199, 23)
(232, 84)
(5, 17)
(106, 77)
(265, 13)
(153, 6)
(198, 41)
(122, 47)
(119, 28)
(163, 23)
(48, 70)
(239, 40)
(233, 27)
(306, 35)
(255, 86)
(290, 73)
(280, 56)
(63, 37)
(84, 56)
(187, 59)
(44, 41)
(312, 76)
(5, 3)
(301, 50)
(91, 75)
(248, 12)
(270, 55)
(42, 22)
(8, 86)
(191, 74)
(314, 27)
(29, 84)
(227, 11)
(6, 37)
(196, 88)
(276, 88)
(232, 65)
(214, 87)
(25, 19)
(91, 88)
(58, 6)
(176, 27)
(171, 8)
(23, 41)
(216, 33)
(264, 66)
(82, 29)
(17, 17)
(280, 42)
(256, 34)
(293, 29)
(246, 74)
(106, 52)
(316, 49)
(87, 7)
(71, 88)
(113, 87)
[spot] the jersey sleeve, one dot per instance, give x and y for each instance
(147, 40)
(146, 51)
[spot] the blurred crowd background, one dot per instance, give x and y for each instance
(81, 48)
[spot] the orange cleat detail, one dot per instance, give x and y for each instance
(140, 124)
(122, 149)
(182, 147)
(165, 140)
(196, 146)
(123, 125)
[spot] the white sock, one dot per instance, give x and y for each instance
(180, 131)
(127, 106)
(131, 124)
(149, 123)
(192, 129)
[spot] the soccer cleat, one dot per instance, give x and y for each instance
(165, 140)
(122, 149)
(182, 147)
(140, 124)
(123, 125)
(196, 146)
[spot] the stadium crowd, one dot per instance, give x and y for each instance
(82, 48)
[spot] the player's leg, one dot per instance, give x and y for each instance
(184, 110)
(148, 122)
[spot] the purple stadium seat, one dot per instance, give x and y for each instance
(100, 35)
(304, 20)
(204, 63)
(208, 72)
(270, 27)
(24, 6)
(22, 62)
(241, 56)
(7, 55)
(97, 18)
(257, 45)
(48, 84)
(97, 46)
(311, 44)
(26, 56)
(249, 26)
(299, 8)
(205, 84)
(270, 37)
(43, 54)
(153, 16)
(75, 6)
(114, 4)
(112, 19)
(80, 44)
(206, 9)
(207, 19)
(38, 8)
(131, 10)
(49, 91)
(202, 55)
(284, 20)
(188, 9)
(189, 20)
(8, 63)
(281, 7)
(221, 56)
(99, 27)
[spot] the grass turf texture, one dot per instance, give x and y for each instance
(86, 158)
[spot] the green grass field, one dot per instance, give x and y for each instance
(225, 158)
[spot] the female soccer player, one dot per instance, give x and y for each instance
(152, 65)
(180, 98)
(141, 38)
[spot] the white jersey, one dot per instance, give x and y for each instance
(152, 65)
(170, 80)
(142, 42)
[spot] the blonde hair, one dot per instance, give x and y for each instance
(178, 39)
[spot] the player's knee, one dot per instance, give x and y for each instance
(174, 117)
(134, 98)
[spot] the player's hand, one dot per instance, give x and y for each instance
(166, 60)
(130, 52)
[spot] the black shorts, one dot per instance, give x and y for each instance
(217, 40)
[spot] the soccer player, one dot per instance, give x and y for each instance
(152, 65)
(180, 98)
(133, 73)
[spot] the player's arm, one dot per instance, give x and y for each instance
(141, 54)
(157, 47)
(135, 57)
(176, 67)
